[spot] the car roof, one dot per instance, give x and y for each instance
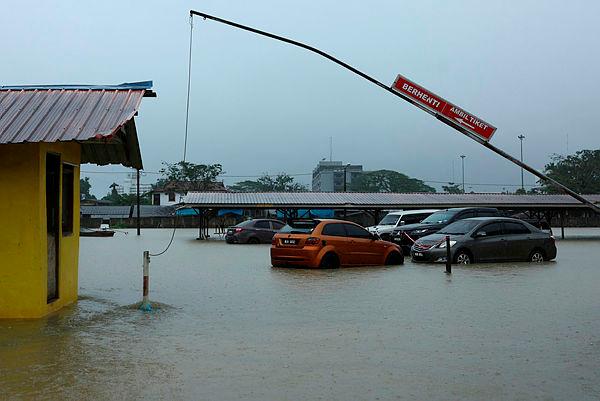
(403, 212)
(459, 209)
(492, 218)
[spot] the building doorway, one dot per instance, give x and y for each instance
(52, 222)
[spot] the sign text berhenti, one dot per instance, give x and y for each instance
(444, 109)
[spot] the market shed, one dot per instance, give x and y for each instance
(46, 133)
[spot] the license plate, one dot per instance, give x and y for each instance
(287, 241)
(418, 254)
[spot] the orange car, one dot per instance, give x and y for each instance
(331, 243)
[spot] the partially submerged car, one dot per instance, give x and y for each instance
(399, 218)
(405, 236)
(329, 243)
(486, 239)
(253, 231)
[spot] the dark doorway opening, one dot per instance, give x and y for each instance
(52, 222)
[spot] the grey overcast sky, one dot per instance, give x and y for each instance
(527, 67)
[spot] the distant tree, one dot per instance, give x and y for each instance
(387, 181)
(117, 199)
(580, 172)
(84, 188)
(452, 188)
(280, 183)
(520, 191)
(196, 176)
(113, 196)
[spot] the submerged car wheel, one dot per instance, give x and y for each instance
(329, 261)
(253, 240)
(536, 256)
(394, 258)
(462, 258)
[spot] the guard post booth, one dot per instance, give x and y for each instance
(46, 133)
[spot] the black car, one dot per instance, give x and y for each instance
(486, 239)
(254, 231)
(406, 235)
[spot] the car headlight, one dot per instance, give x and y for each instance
(443, 244)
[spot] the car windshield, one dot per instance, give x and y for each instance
(389, 220)
(299, 227)
(438, 217)
(460, 227)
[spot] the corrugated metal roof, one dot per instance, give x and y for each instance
(106, 211)
(99, 117)
(153, 211)
(376, 200)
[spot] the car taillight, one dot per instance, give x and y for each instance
(312, 241)
(237, 230)
(552, 238)
(274, 241)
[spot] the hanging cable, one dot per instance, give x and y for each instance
(187, 117)
(170, 242)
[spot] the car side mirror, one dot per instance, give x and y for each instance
(402, 223)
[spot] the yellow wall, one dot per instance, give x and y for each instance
(23, 239)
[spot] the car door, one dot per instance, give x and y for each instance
(334, 235)
(488, 243)
(519, 241)
(263, 230)
(363, 249)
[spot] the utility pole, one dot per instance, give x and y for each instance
(345, 175)
(521, 137)
(138, 201)
(462, 159)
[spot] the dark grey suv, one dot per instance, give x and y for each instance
(254, 231)
(486, 239)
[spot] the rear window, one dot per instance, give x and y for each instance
(245, 223)
(299, 227)
(262, 224)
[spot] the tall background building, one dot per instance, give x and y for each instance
(328, 176)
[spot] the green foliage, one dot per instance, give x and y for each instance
(266, 183)
(452, 188)
(84, 188)
(387, 181)
(126, 199)
(197, 176)
(579, 172)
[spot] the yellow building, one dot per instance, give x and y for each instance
(46, 133)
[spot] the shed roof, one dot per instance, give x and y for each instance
(360, 200)
(100, 117)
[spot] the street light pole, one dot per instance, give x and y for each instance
(462, 157)
(521, 137)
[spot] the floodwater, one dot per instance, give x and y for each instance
(229, 327)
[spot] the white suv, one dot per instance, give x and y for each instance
(399, 218)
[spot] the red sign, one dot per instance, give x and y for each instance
(444, 109)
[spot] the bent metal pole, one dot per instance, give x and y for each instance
(390, 90)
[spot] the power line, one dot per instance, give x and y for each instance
(489, 184)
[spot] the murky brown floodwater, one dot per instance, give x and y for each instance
(230, 327)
